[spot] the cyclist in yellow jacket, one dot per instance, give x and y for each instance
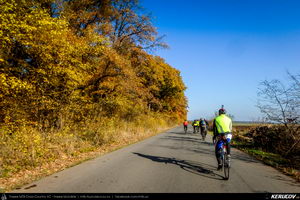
(222, 126)
(196, 124)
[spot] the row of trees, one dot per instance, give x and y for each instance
(69, 61)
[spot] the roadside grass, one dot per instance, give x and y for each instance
(243, 143)
(27, 158)
(245, 124)
(272, 159)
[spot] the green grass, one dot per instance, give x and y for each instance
(271, 159)
(245, 124)
(240, 144)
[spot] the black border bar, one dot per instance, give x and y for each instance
(146, 196)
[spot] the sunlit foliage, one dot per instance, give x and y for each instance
(67, 63)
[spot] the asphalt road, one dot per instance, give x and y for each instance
(171, 162)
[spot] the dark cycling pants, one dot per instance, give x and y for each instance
(196, 129)
(203, 130)
(185, 127)
(218, 152)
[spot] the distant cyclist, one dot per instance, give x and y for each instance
(222, 128)
(185, 125)
(203, 127)
(196, 124)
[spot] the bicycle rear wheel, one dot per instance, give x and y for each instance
(226, 166)
(204, 135)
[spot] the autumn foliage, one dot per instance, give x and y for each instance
(78, 70)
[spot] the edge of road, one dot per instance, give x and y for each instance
(38, 173)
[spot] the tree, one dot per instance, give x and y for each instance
(295, 98)
(58, 55)
(281, 105)
(74, 71)
(276, 102)
(121, 21)
(41, 62)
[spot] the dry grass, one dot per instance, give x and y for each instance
(243, 140)
(274, 160)
(67, 148)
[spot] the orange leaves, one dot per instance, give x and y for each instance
(52, 64)
(85, 64)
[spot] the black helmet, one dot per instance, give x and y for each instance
(222, 110)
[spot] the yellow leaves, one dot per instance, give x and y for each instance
(7, 5)
(53, 77)
(12, 85)
(49, 66)
(7, 119)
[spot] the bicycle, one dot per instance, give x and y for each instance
(195, 129)
(225, 162)
(203, 133)
(224, 158)
(185, 129)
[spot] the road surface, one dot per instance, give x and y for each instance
(171, 162)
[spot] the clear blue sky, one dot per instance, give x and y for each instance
(225, 48)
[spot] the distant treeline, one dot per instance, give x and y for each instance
(69, 61)
(250, 122)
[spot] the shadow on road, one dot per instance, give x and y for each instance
(198, 168)
(244, 157)
(197, 148)
(182, 138)
(287, 181)
(193, 149)
(183, 133)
